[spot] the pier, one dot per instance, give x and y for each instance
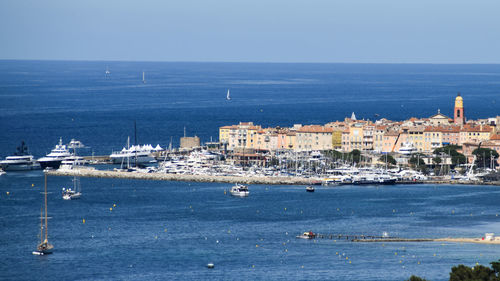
(387, 239)
(92, 173)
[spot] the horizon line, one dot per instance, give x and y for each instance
(252, 62)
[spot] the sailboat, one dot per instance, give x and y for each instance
(75, 193)
(44, 248)
(228, 96)
(143, 78)
(107, 71)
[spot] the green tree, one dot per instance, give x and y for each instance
(417, 162)
(484, 156)
(416, 278)
(356, 155)
(457, 158)
(477, 273)
(390, 160)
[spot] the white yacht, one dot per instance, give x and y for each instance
(239, 190)
(55, 157)
(72, 162)
(136, 154)
(407, 148)
(20, 161)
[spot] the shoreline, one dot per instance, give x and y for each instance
(92, 173)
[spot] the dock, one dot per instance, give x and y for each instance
(361, 238)
(92, 173)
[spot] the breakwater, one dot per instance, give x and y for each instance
(182, 177)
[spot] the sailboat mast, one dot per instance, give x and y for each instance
(41, 225)
(46, 227)
(135, 141)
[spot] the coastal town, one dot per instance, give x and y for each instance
(437, 149)
(249, 142)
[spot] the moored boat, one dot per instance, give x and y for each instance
(44, 248)
(55, 157)
(307, 235)
(20, 161)
(310, 188)
(239, 190)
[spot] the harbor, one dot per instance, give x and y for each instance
(266, 180)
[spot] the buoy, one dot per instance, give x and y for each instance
(256, 246)
(210, 265)
(166, 231)
(110, 209)
(7, 193)
(114, 205)
(32, 185)
(156, 237)
(83, 221)
(285, 209)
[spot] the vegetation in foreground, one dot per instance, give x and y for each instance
(476, 273)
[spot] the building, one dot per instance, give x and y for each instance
(190, 142)
(459, 114)
(313, 137)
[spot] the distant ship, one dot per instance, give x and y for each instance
(228, 96)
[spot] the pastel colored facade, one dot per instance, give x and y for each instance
(313, 137)
(242, 135)
(459, 114)
(469, 133)
(439, 119)
(389, 141)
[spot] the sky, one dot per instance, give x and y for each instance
(343, 31)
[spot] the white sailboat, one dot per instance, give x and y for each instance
(228, 96)
(143, 78)
(44, 248)
(107, 71)
(72, 194)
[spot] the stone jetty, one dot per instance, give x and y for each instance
(178, 177)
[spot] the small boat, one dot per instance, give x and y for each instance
(239, 190)
(307, 235)
(143, 78)
(310, 188)
(44, 248)
(2, 172)
(72, 194)
(228, 96)
(210, 265)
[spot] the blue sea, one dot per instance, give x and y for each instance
(171, 230)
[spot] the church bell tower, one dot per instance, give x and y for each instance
(459, 116)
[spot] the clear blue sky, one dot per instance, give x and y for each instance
(392, 31)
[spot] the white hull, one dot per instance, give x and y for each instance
(20, 167)
(240, 193)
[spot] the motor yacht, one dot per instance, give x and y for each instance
(20, 161)
(55, 157)
(239, 190)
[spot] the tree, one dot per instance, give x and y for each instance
(484, 157)
(465, 273)
(416, 278)
(457, 158)
(417, 161)
(477, 273)
(387, 158)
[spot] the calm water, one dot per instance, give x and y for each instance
(171, 230)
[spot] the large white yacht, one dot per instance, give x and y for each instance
(20, 161)
(55, 157)
(136, 154)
